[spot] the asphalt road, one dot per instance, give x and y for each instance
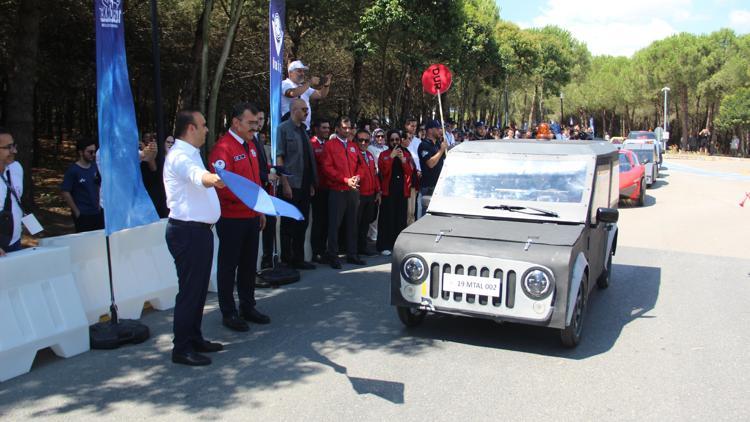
(667, 341)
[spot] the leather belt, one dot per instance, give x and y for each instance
(196, 224)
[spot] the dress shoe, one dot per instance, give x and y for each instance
(303, 266)
(190, 359)
(206, 346)
(262, 284)
(235, 323)
(355, 260)
(266, 263)
(319, 258)
(253, 315)
(334, 262)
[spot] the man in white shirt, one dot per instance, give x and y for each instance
(194, 208)
(11, 189)
(297, 85)
(414, 203)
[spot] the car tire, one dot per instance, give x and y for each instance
(570, 336)
(603, 281)
(410, 317)
(642, 195)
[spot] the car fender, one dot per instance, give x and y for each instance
(612, 240)
(575, 283)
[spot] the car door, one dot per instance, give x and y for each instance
(597, 233)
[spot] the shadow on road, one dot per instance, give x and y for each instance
(325, 314)
(632, 294)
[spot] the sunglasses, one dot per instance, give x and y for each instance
(380, 136)
(363, 139)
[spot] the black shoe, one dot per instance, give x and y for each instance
(319, 258)
(206, 346)
(235, 323)
(303, 266)
(334, 262)
(254, 316)
(355, 260)
(262, 284)
(266, 263)
(190, 359)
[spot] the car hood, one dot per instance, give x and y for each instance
(546, 233)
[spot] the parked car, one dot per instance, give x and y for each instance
(516, 231)
(647, 153)
(647, 135)
(632, 177)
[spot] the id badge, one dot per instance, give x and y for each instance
(32, 224)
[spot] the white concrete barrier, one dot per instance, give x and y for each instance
(88, 254)
(39, 307)
(142, 269)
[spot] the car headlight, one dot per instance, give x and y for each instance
(537, 283)
(414, 269)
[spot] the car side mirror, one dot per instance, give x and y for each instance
(607, 215)
(646, 161)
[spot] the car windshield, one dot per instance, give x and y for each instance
(644, 155)
(641, 135)
(624, 163)
(513, 180)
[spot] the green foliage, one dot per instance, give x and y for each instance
(735, 110)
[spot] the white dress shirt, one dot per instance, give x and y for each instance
(16, 179)
(286, 102)
(414, 150)
(187, 198)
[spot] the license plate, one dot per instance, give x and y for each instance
(482, 286)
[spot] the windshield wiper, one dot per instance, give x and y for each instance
(520, 209)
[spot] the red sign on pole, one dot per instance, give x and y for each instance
(436, 79)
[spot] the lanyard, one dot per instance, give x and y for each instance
(11, 189)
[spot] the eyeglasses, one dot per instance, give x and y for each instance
(9, 147)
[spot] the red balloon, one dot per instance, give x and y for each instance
(436, 79)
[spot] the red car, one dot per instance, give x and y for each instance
(632, 177)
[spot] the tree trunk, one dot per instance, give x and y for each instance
(684, 117)
(20, 96)
(234, 20)
(531, 109)
(357, 68)
(203, 91)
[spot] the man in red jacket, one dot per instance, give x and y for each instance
(343, 169)
(369, 192)
(239, 226)
(319, 232)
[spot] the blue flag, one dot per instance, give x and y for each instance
(276, 12)
(256, 198)
(126, 202)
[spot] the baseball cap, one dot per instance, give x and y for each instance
(432, 124)
(297, 64)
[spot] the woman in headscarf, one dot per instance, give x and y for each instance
(396, 173)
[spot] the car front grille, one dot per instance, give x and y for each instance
(507, 284)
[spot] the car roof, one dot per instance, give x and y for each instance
(535, 147)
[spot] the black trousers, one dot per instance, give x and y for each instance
(192, 249)
(87, 223)
(342, 208)
(237, 262)
(293, 231)
(392, 220)
(269, 236)
(366, 214)
(319, 230)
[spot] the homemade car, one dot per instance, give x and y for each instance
(648, 155)
(649, 137)
(632, 177)
(516, 231)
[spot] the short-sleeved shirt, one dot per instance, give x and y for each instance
(427, 149)
(83, 184)
(286, 102)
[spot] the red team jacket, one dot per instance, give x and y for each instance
(370, 183)
(385, 164)
(318, 149)
(341, 162)
(230, 154)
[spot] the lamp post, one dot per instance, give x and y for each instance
(666, 92)
(562, 114)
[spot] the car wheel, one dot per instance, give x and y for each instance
(570, 336)
(642, 195)
(603, 281)
(410, 317)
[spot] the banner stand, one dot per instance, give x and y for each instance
(116, 332)
(276, 275)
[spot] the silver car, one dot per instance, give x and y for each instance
(516, 231)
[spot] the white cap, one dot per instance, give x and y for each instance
(296, 65)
